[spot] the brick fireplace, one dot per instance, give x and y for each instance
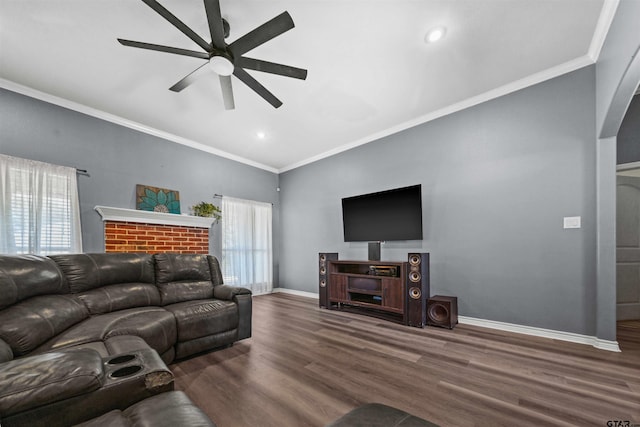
(128, 230)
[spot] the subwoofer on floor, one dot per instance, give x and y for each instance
(417, 289)
(323, 274)
(442, 311)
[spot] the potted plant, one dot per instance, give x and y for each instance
(208, 210)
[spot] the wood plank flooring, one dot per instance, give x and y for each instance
(306, 366)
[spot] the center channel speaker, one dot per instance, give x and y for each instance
(323, 274)
(417, 289)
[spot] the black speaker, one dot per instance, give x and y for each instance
(417, 289)
(374, 251)
(323, 274)
(442, 311)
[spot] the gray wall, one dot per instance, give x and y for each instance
(497, 180)
(118, 158)
(629, 134)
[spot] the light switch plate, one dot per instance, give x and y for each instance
(572, 222)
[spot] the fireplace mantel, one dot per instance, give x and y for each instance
(148, 217)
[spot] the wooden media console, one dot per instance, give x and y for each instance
(373, 286)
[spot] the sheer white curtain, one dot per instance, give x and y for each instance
(39, 208)
(246, 244)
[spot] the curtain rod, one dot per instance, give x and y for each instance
(80, 170)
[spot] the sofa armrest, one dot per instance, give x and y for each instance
(35, 381)
(228, 293)
(6, 354)
(242, 297)
(245, 308)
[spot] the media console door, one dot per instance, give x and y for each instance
(337, 288)
(393, 294)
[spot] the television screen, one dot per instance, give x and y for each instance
(388, 215)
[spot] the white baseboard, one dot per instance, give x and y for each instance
(540, 332)
(294, 292)
(509, 327)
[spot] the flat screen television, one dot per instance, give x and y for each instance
(387, 215)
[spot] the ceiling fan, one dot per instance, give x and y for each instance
(226, 59)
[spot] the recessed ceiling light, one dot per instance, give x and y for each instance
(435, 34)
(261, 135)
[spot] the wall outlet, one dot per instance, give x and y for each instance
(572, 222)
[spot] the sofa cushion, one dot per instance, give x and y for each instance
(200, 318)
(179, 267)
(174, 292)
(183, 277)
(155, 325)
(89, 271)
(118, 297)
(34, 381)
(125, 343)
(28, 324)
(25, 276)
(112, 346)
(168, 409)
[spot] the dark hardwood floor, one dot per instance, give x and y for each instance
(306, 366)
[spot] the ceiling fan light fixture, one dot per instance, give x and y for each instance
(221, 65)
(435, 34)
(222, 58)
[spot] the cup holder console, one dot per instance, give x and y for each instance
(125, 371)
(142, 369)
(124, 365)
(121, 359)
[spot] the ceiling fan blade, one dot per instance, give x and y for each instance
(227, 92)
(262, 34)
(153, 4)
(256, 86)
(216, 27)
(191, 77)
(271, 67)
(161, 48)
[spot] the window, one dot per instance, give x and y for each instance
(39, 208)
(247, 258)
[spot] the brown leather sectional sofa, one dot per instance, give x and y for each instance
(84, 336)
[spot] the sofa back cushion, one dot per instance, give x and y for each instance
(29, 323)
(89, 271)
(183, 277)
(108, 282)
(25, 276)
(120, 296)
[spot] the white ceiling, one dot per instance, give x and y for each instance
(370, 73)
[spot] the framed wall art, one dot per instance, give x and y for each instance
(157, 199)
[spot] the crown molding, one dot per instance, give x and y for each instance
(607, 14)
